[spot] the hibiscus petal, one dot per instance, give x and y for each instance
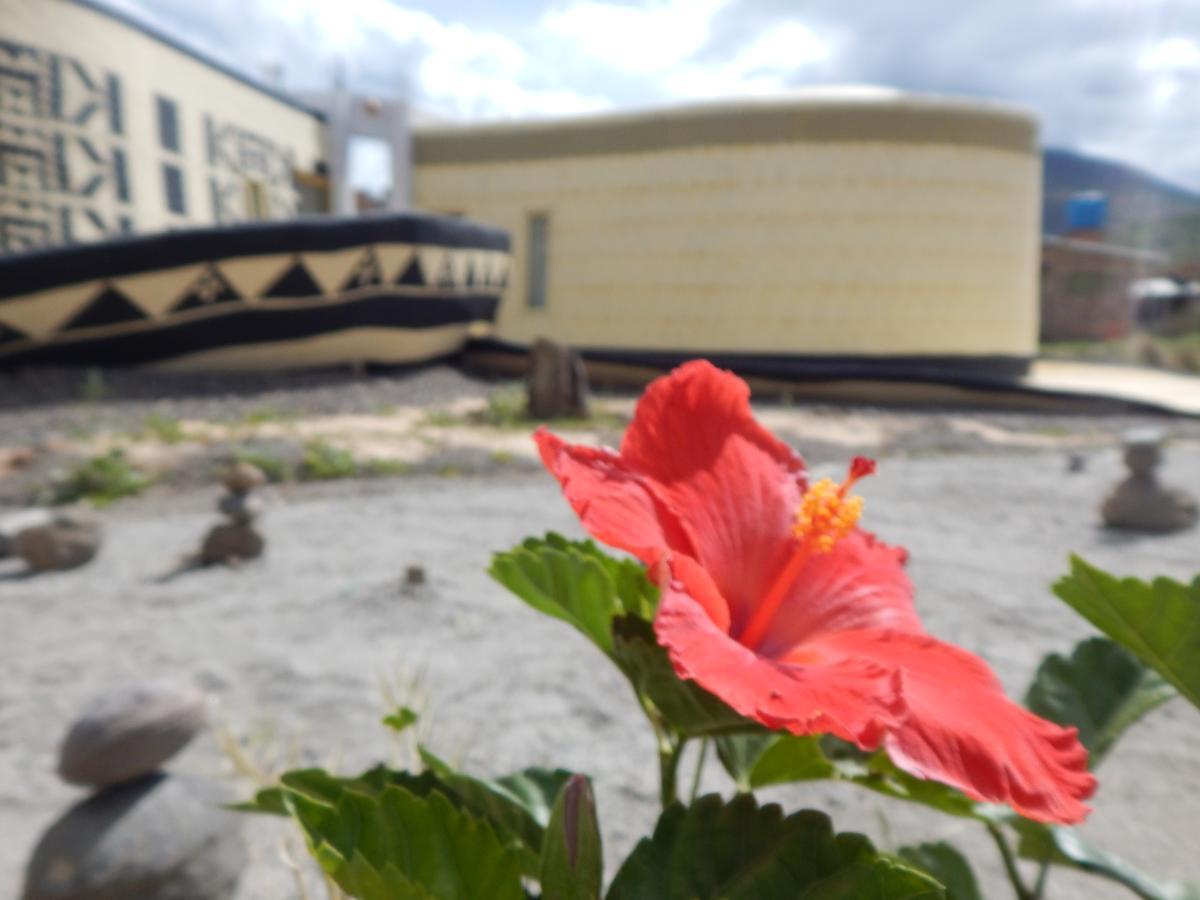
(854, 699)
(963, 731)
(615, 505)
(860, 584)
(730, 483)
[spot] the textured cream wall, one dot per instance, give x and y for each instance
(856, 247)
(147, 68)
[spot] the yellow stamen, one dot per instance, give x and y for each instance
(826, 515)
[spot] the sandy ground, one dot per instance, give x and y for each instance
(295, 647)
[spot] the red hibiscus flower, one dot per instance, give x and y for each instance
(776, 602)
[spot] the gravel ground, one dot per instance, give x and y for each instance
(298, 644)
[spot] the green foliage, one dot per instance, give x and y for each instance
(440, 418)
(1159, 620)
(94, 388)
(740, 752)
(572, 861)
(517, 806)
(947, 865)
(785, 759)
(1064, 847)
(740, 851)
(323, 461)
(262, 415)
(1102, 689)
(388, 468)
(507, 407)
(275, 468)
(399, 845)
(401, 719)
(577, 582)
(685, 706)
(100, 480)
(164, 428)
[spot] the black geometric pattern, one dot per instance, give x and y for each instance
(8, 335)
(209, 289)
(445, 278)
(412, 274)
(366, 273)
(107, 309)
(295, 282)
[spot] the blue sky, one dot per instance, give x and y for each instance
(1118, 78)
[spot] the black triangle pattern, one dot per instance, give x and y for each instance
(413, 273)
(366, 272)
(109, 308)
(295, 282)
(8, 335)
(445, 278)
(209, 289)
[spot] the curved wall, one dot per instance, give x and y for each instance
(393, 289)
(866, 226)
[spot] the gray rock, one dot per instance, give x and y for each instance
(163, 837)
(14, 523)
(130, 732)
(557, 385)
(240, 508)
(415, 578)
(244, 477)
(230, 542)
(69, 540)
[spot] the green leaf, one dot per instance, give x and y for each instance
(401, 719)
(1102, 689)
(268, 801)
(787, 758)
(790, 758)
(881, 775)
(577, 582)
(686, 706)
(572, 862)
(947, 865)
(740, 851)
(1064, 847)
(516, 805)
(739, 753)
(398, 845)
(1159, 620)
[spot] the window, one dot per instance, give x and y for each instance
(168, 125)
(1086, 283)
(257, 204)
(173, 189)
(538, 238)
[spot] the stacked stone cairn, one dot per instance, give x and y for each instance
(1140, 502)
(143, 833)
(236, 539)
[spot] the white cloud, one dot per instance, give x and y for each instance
(769, 63)
(646, 40)
(1171, 54)
(377, 46)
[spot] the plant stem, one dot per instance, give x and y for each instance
(704, 742)
(1039, 885)
(670, 750)
(1010, 863)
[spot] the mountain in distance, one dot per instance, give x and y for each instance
(1144, 211)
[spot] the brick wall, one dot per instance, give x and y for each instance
(1085, 288)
